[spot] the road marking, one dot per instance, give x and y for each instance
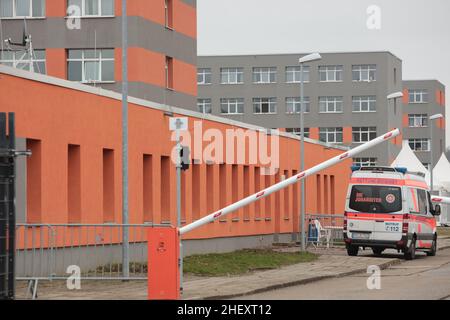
(412, 267)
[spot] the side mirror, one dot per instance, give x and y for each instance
(437, 210)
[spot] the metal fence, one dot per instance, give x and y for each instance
(46, 251)
(331, 223)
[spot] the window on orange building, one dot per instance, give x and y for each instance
(74, 183)
(165, 189)
(22, 8)
(92, 8)
(246, 191)
(196, 191)
(147, 187)
(169, 72)
(108, 186)
(34, 182)
(168, 10)
(21, 59)
(90, 65)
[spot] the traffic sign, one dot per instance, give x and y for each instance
(180, 124)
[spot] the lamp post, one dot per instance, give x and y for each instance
(125, 220)
(308, 58)
(432, 118)
(393, 96)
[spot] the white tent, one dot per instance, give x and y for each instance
(406, 158)
(441, 174)
(441, 183)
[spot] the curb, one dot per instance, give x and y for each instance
(382, 266)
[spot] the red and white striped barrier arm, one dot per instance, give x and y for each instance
(439, 199)
(285, 183)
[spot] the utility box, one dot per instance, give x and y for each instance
(163, 260)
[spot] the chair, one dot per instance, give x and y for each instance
(322, 233)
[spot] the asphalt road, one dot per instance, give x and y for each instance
(423, 278)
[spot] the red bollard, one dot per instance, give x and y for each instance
(163, 259)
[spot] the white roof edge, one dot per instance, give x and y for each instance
(295, 53)
(149, 104)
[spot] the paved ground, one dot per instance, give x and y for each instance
(331, 264)
(423, 278)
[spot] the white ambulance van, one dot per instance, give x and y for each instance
(389, 207)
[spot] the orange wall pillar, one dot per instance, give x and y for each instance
(56, 63)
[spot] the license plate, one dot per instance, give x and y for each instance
(392, 226)
(360, 235)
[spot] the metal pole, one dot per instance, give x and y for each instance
(178, 166)
(431, 156)
(285, 183)
(302, 162)
(125, 230)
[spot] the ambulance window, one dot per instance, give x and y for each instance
(375, 199)
(413, 203)
(417, 201)
(423, 207)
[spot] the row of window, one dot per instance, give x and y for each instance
(330, 73)
(419, 144)
(372, 162)
(336, 135)
(83, 65)
(417, 120)
(36, 8)
(359, 135)
(78, 8)
(327, 104)
(21, 59)
(418, 96)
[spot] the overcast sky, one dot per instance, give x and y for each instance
(417, 31)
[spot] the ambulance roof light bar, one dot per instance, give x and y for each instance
(379, 169)
(294, 179)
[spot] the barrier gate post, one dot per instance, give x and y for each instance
(163, 263)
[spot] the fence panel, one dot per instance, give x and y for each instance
(45, 251)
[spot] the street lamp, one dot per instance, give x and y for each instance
(432, 118)
(393, 96)
(308, 58)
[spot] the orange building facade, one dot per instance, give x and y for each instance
(162, 41)
(74, 173)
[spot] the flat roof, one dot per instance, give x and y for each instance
(149, 104)
(424, 80)
(294, 53)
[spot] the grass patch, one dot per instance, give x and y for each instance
(242, 261)
(443, 231)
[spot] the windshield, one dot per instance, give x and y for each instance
(376, 199)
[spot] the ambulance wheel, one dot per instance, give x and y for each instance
(352, 250)
(410, 253)
(433, 249)
(377, 251)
